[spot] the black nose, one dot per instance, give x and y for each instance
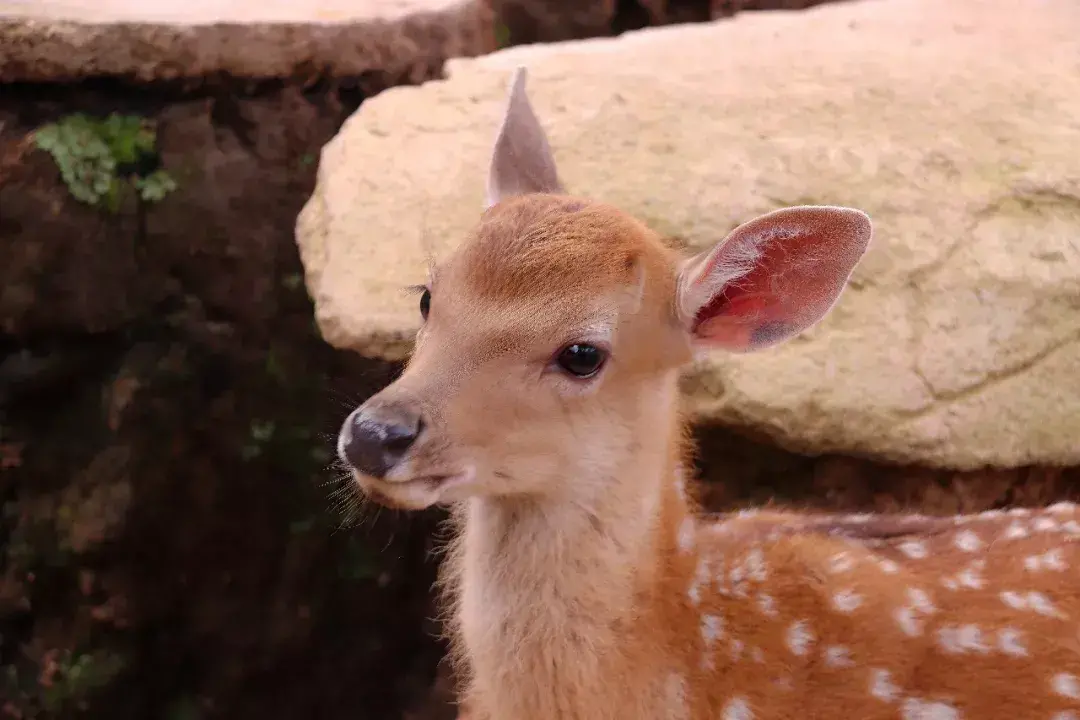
(373, 445)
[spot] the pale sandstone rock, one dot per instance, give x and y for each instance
(955, 125)
(408, 40)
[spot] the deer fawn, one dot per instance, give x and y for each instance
(541, 403)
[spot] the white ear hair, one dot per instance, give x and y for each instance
(772, 277)
(521, 161)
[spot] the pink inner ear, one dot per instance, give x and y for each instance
(801, 259)
(743, 312)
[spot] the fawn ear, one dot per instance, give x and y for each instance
(521, 162)
(772, 277)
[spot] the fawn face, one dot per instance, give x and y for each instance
(550, 336)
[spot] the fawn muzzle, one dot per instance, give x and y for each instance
(373, 440)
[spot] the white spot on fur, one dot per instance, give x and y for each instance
(738, 709)
(968, 541)
(882, 687)
(914, 709)
(889, 567)
(1014, 600)
(920, 600)
(841, 562)
(737, 574)
(1071, 526)
(963, 639)
(767, 605)
(737, 646)
(799, 637)
(1020, 512)
(838, 656)
(970, 576)
(1062, 508)
(905, 618)
(1015, 530)
(1065, 715)
(1045, 524)
(680, 482)
(701, 577)
(846, 601)
(1053, 559)
(1042, 605)
(1066, 685)
(1050, 560)
(1010, 641)
(686, 534)
(755, 565)
(1034, 601)
(914, 549)
(757, 655)
(711, 628)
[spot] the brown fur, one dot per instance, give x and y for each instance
(581, 584)
(568, 600)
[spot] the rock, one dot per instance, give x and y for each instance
(725, 8)
(210, 254)
(957, 344)
(536, 21)
(407, 40)
(532, 21)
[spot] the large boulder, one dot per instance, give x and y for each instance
(48, 40)
(957, 344)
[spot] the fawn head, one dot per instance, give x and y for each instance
(552, 336)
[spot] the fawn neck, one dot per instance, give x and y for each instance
(558, 598)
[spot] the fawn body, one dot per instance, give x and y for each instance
(541, 402)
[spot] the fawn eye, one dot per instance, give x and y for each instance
(581, 360)
(425, 303)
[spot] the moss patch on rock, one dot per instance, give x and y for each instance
(101, 158)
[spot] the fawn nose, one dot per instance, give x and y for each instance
(374, 442)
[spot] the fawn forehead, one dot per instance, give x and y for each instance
(542, 247)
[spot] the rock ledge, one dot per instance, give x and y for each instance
(407, 40)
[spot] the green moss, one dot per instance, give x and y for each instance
(92, 153)
(79, 675)
(59, 686)
(502, 36)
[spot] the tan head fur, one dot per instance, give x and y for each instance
(487, 406)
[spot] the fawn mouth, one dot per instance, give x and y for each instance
(416, 492)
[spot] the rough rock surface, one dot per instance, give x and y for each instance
(51, 40)
(532, 21)
(957, 344)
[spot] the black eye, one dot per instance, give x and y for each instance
(425, 303)
(581, 360)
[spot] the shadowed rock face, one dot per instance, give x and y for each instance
(56, 40)
(532, 21)
(165, 412)
(957, 342)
